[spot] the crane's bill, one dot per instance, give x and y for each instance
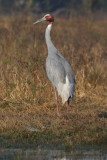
(40, 20)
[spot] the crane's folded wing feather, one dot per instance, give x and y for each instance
(55, 71)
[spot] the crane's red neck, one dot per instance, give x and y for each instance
(50, 22)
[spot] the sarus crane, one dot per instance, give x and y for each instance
(58, 69)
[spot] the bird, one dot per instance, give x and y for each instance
(58, 69)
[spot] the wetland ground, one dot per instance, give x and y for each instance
(27, 102)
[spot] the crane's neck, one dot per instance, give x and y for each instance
(49, 43)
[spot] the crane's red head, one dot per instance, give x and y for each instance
(47, 17)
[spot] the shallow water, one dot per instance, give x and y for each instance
(46, 154)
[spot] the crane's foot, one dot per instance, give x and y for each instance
(68, 117)
(58, 113)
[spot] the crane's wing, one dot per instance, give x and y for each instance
(69, 72)
(55, 71)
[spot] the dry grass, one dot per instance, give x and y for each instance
(26, 95)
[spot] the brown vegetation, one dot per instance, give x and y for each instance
(26, 95)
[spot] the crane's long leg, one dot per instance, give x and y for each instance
(56, 101)
(68, 108)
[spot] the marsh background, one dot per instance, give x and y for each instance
(27, 102)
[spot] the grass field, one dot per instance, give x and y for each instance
(27, 101)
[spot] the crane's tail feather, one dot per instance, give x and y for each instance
(66, 90)
(72, 98)
(72, 93)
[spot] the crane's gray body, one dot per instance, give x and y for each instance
(58, 69)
